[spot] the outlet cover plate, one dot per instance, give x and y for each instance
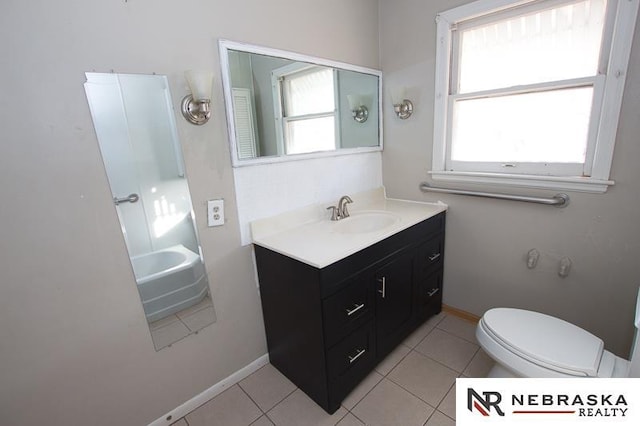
(215, 212)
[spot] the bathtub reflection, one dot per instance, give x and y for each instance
(169, 281)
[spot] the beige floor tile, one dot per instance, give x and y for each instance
(171, 333)
(299, 410)
(231, 408)
(200, 319)
(448, 404)
(422, 331)
(480, 365)
(391, 360)
(262, 421)
(361, 390)
(439, 419)
(389, 404)
(163, 322)
(460, 327)
(424, 377)
(181, 422)
(267, 387)
(204, 303)
(350, 420)
(448, 349)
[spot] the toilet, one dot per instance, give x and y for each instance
(530, 344)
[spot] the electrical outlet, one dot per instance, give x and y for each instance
(215, 212)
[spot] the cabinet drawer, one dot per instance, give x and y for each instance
(347, 310)
(350, 361)
(429, 297)
(354, 350)
(431, 253)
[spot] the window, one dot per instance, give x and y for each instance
(306, 108)
(528, 93)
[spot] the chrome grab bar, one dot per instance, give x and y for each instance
(131, 198)
(558, 200)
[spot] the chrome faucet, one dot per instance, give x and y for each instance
(340, 211)
(342, 206)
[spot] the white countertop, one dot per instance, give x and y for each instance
(310, 237)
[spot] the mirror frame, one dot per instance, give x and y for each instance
(226, 45)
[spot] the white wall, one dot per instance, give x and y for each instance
(487, 239)
(74, 344)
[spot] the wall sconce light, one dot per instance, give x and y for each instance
(357, 105)
(402, 107)
(196, 106)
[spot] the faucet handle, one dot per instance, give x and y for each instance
(334, 212)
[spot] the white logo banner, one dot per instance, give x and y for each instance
(559, 402)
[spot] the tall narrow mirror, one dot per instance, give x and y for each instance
(135, 125)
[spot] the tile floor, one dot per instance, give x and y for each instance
(169, 330)
(414, 385)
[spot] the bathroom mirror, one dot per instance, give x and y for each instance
(135, 124)
(284, 106)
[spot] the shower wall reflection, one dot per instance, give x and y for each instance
(135, 125)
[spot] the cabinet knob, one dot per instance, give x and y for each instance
(434, 256)
(433, 291)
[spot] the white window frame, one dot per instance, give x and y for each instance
(277, 77)
(608, 90)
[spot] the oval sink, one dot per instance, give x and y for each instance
(362, 222)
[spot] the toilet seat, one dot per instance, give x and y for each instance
(551, 346)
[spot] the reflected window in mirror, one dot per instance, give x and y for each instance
(307, 108)
(135, 124)
(284, 106)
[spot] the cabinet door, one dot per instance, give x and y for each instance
(394, 302)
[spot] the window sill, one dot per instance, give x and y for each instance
(579, 184)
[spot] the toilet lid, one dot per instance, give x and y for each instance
(545, 340)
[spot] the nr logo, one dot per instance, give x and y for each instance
(484, 404)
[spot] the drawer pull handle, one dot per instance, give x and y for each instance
(433, 291)
(383, 290)
(359, 353)
(355, 309)
(434, 256)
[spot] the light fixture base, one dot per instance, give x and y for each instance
(404, 110)
(196, 112)
(360, 114)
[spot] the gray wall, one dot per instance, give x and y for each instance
(265, 112)
(74, 343)
(488, 239)
(352, 133)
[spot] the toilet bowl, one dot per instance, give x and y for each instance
(531, 344)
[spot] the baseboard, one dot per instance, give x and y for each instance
(460, 313)
(184, 409)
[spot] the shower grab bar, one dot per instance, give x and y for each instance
(131, 198)
(558, 200)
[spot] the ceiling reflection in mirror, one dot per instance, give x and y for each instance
(282, 105)
(135, 124)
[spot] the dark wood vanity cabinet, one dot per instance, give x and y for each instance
(328, 328)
